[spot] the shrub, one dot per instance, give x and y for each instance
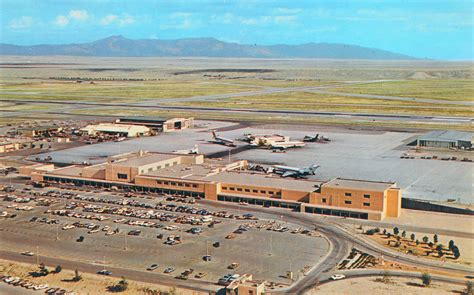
(426, 279)
(469, 288)
(58, 269)
(396, 231)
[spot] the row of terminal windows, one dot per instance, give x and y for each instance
(324, 200)
(159, 167)
(122, 176)
(177, 183)
(367, 196)
(247, 190)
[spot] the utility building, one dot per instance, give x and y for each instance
(116, 129)
(446, 139)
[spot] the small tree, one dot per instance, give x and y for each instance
(426, 279)
(435, 238)
(412, 237)
(404, 234)
(425, 239)
(384, 231)
(417, 242)
(398, 238)
(396, 231)
(58, 269)
(451, 245)
(77, 277)
(469, 288)
(431, 244)
(456, 252)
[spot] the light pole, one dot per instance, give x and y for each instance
(37, 255)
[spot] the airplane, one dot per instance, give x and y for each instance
(286, 144)
(192, 151)
(287, 171)
(222, 140)
(316, 138)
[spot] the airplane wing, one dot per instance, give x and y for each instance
(289, 173)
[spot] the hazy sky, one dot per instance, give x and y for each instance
(433, 29)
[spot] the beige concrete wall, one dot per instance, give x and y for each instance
(337, 197)
(30, 169)
(211, 190)
(112, 171)
(394, 202)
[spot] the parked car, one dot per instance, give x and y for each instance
(169, 269)
(27, 253)
(337, 277)
(80, 239)
(152, 267)
(104, 272)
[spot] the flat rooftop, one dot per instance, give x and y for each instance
(358, 184)
(136, 160)
(183, 171)
(264, 180)
(446, 135)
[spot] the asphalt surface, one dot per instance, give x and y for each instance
(365, 116)
(342, 241)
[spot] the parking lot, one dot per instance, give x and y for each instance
(107, 221)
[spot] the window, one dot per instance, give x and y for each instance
(271, 192)
(367, 196)
(187, 185)
(348, 202)
(122, 176)
(159, 182)
(180, 184)
(232, 189)
(263, 192)
(150, 169)
(348, 194)
(224, 188)
(255, 191)
(173, 183)
(167, 165)
(141, 171)
(195, 185)
(247, 190)
(323, 200)
(167, 183)
(239, 189)
(366, 204)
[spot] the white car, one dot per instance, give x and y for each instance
(27, 253)
(337, 277)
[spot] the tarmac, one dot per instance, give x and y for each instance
(350, 154)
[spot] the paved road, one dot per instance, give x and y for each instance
(142, 276)
(363, 116)
(342, 240)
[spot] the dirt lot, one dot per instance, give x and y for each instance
(396, 286)
(90, 284)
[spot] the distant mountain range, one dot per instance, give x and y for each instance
(201, 47)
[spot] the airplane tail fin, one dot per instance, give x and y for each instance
(314, 168)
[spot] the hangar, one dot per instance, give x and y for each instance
(116, 129)
(158, 124)
(446, 139)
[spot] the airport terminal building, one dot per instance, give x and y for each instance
(218, 180)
